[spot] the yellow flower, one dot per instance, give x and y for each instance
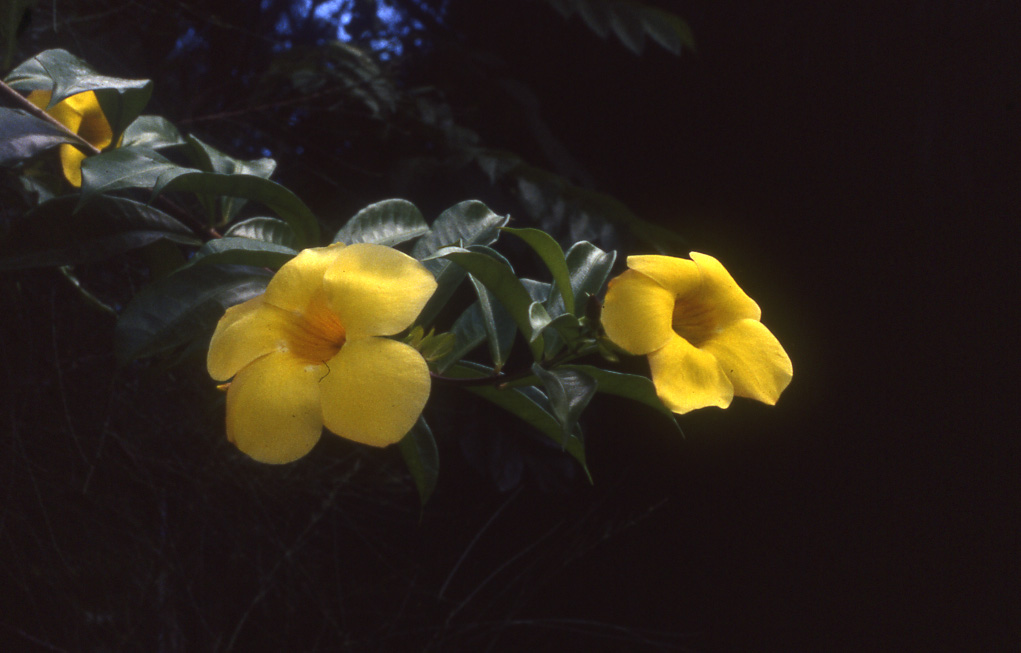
(82, 115)
(310, 352)
(701, 332)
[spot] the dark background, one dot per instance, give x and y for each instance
(854, 165)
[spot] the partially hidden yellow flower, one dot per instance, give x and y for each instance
(312, 351)
(700, 331)
(82, 115)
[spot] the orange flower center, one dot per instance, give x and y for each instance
(693, 320)
(316, 334)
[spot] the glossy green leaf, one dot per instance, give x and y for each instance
(53, 234)
(224, 208)
(389, 222)
(465, 224)
(569, 392)
(553, 256)
(629, 386)
(589, 268)
(270, 230)
(125, 167)
(59, 71)
(469, 331)
(529, 404)
(183, 307)
(22, 136)
(418, 448)
(498, 323)
(154, 132)
(500, 280)
(243, 251)
(281, 200)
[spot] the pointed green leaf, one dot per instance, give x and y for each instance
(183, 307)
(270, 230)
(207, 158)
(553, 256)
(59, 71)
(243, 251)
(500, 279)
(469, 331)
(629, 386)
(418, 448)
(281, 200)
(569, 392)
(499, 325)
(589, 268)
(153, 132)
(466, 224)
(22, 136)
(389, 222)
(529, 404)
(53, 234)
(125, 167)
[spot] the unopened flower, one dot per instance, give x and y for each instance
(312, 351)
(700, 331)
(82, 115)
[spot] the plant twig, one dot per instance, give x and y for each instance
(23, 103)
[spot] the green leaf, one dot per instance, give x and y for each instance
(389, 222)
(529, 404)
(243, 251)
(499, 325)
(629, 386)
(154, 132)
(465, 224)
(59, 71)
(53, 234)
(270, 230)
(589, 269)
(569, 392)
(125, 167)
(469, 331)
(183, 307)
(418, 448)
(500, 279)
(22, 136)
(207, 158)
(281, 200)
(553, 256)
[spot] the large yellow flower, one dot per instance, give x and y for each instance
(701, 332)
(311, 351)
(82, 115)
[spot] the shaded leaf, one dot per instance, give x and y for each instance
(498, 324)
(153, 132)
(418, 448)
(389, 222)
(629, 386)
(243, 251)
(569, 392)
(183, 307)
(22, 136)
(270, 230)
(281, 200)
(59, 71)
(54, 234)
(125, 167)
(553, 256)
(529, 404)
(465, 224)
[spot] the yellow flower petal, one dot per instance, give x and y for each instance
(297, 284)
(273, 408)
(71, 161)
(679, 276)
(637, 313)
(377, 290)
(687, 378)
(93, 126)
(375, 391)
(246, 332)
(752, 359)
(720, 291)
